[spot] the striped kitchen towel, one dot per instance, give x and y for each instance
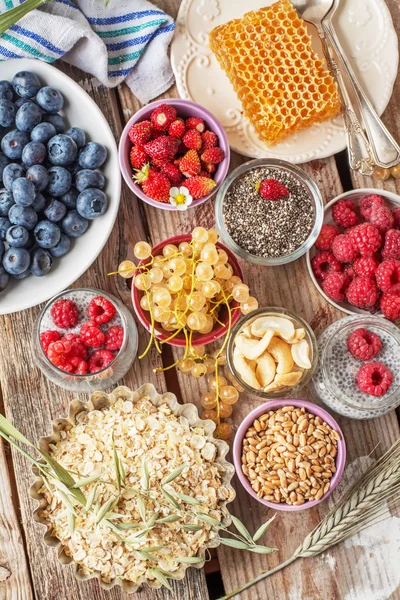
(125, 41)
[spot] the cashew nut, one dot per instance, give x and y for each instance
(280, 351)
(299, 334)
(251, 348)
(284, 380)
(244, 370)
(301, 354)
(280, 326)
(265, 369)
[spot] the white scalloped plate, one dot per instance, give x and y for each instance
(365, 29)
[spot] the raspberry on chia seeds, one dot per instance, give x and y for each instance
(91, 336)
(324, 263)
(101, 310)
(47, 337)
(100, 359)
(374, 379)
(326, 237)
(364, 344)
(114, 338)
(64, 314)
(344, 213)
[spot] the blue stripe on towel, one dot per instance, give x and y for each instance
(37, 38)
(140, 40)
(123, 18)
(7, 53)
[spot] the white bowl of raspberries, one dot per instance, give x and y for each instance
(174, 154)
(355, 262)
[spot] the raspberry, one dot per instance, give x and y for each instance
(391, 247)
(364, 344)
(101, 310)
(349, 271)
(208, 140)
(366, 239)
(325, 263)
(396, 218)
(195, 123)
(92, 336)
(343, 249)
(335, 286)
(177, 128)
(64, 314)
(114, 338)
(140, 133)
(374, 379)
(192, 139)
(382, 218)
(47, 337)
(271, 189)
(163, 116)
(390, 306)
(79, 366)
(388, 276)
(344, 214)
(326, 237)
(137, 157)
(365, 266)
(77, 348)
(100, 360)
(59, 353)
(368, 203)
(362, 292)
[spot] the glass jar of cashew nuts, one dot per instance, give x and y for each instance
(272, 352)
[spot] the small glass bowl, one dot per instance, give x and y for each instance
(298, 322)
(315, 197)
(108, 376)
(334, 382)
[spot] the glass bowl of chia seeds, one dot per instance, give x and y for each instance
(335, 380)
(272, 231)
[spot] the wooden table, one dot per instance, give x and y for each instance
(363, 568)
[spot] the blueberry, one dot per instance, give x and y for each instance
(47, 234)
(28, 116)
(74, 225)
(70, 197)
(7, 113)
(4, 279)
(55, 210)
(92, 156)
(39, 177)
(59, 181)
(16, 260)
(50, 99)
(43, 132)
(91, 203)
(26, 84)
(74, 168)
(6, 202)
(4, 161)
(56, 120)
(62, 150)
(23, 215)
(13, 143)
(6, 90)
(17, 237)
(39, 203)
(23, 191)
(89, 179)
(41, 262)
(20, 101)
(62, 247)
(23, 274)
(12, 172)
(5, 225)
(78, 135)
(34, 153)
(2, 249)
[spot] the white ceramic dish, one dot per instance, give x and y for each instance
(80, 111)
(393, 200)
(365, 29)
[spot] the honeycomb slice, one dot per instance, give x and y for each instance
(282, 83)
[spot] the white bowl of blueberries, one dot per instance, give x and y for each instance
(53, 186)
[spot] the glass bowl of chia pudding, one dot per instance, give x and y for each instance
(269, 212)
(336, 380)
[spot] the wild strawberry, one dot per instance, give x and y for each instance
(162, 148)
(137, 157)
(157, 187)
(173, 173)
(209, 167)
(208, 140)
(272, 189)
(370, 202)
(391, 247)
(163, 116)
(204, 174)
(145, 173)
(192, 139)
(344, 213)
(140, 133)
(190, 164)
(200, 186)
(195, 123)
(177, 128)
(326, 237)
(213, 155)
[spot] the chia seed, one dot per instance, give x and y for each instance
(268, 228)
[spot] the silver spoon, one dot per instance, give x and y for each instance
(385, 150)
(359, 149)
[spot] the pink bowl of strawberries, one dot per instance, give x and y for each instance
(355, 262)
(174, 154)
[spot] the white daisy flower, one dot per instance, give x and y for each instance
(180, 197)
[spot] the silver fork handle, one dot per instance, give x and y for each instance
(385, 150)
(359, 149)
